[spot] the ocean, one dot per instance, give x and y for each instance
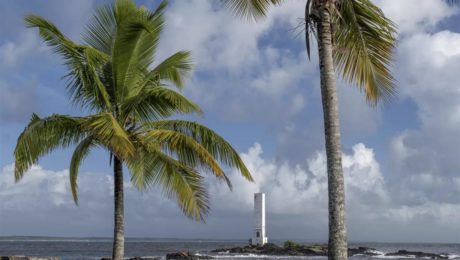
(96, 248)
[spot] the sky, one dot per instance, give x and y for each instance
(258, 90)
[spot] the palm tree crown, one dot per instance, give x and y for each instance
(363, 38)
(111, 74)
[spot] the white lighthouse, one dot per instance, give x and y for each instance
(259, 235)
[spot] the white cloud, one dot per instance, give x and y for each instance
(12, 53)
(287, 186)
(296, 196)
(445, 214)
(424, 158)
(413, 16)
(217, 38)
(239, 74)
(291, 191)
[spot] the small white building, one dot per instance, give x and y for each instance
(259, 236)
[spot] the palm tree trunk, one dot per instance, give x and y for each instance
(119, 229)
(337, 226)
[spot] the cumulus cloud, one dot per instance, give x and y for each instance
(43, 196)
(235, 66)
(296, 199)
(413, 16)
(12, 53)
(425, 158)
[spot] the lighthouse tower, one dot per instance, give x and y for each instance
(259, 235)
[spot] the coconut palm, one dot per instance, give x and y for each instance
(355, 39)
(128, 97)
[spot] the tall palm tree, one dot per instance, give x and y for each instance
(111, 75)
(355, 38)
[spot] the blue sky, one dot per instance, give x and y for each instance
(257, 89)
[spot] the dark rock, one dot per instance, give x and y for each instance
(135, 258)
(314, 250)
(144, 258)
(417, 254)
(272, 249)
(186, 256)
(319, 250)
(363, 251)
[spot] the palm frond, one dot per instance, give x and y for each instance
(187, 150)
(41, 136)
(364, 44)
(79, 154)
(251, 9)
(173, 69)
(150, 167)
(135, 43)
(101, 29)
(105, 128)
(210, 140)
(84, 64)
(155, 102)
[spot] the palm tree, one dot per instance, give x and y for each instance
(355, 38)
(111, 75)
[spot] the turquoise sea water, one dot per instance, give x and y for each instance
(95, 248)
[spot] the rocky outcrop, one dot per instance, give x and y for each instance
(136, 258)
(293, 250)
(20, 257)
(417, 254)
(320, 250)
(186, 256)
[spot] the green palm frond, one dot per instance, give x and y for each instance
(41, 136)
(364, 45)
(84, 64)
(100, 31)
(187, 151)
(251, 9)
(79, 154)
(156, 102)
(210, 140)
(107, 131)
(150, 167)
(173, 69)
(135, 42)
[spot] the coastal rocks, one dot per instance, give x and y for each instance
(272, 249)
(144, 258)
(135, 258)
(292, 249)
(20, 257)
(363, 251)
(418, 254)
(186, 256)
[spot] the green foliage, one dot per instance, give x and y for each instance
(291, 245)
(364, 42)
(129, 95)
(41, 136)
